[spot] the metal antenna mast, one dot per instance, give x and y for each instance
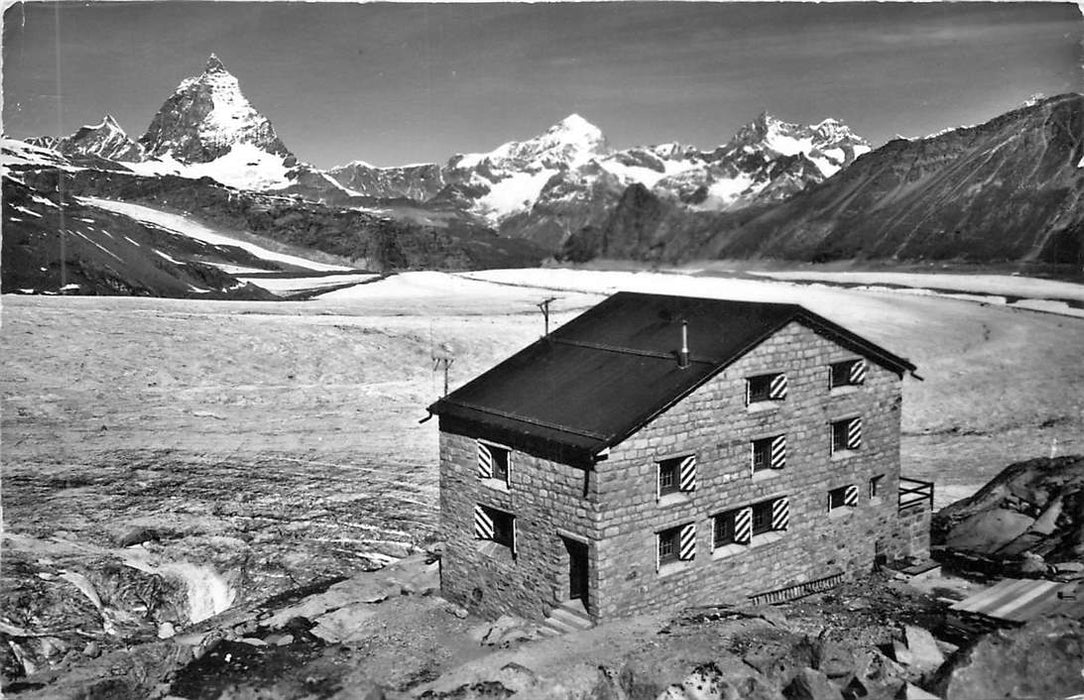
(544, 307)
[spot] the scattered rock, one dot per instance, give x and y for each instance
(457, 610)
(925, 656)
(809, 684)
(138, 534)
(910, 691)
(835, 660)
(1069, 567)
(1032, 563)
(345, 625)
(166, 630)
(517, 677)
(91, 649)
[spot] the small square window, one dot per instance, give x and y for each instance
(494, 462)
(762, 518)
(676, 544)
(769, 453)
(766, 387)
(677, 474)
(843, 497)
(495, 525)
(723, 529)
(847, 373)
(846, 435)
(876, 484)
(668, 545)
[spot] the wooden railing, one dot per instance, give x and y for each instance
(915, 492)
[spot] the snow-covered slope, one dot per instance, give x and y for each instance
(184, 226)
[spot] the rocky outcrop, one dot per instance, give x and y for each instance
(1042, 659)
(1028, 521)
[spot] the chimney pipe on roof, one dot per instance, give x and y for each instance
(683, 356)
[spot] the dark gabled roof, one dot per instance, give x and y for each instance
(603, 375)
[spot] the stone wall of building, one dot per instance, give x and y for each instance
(911, 537)
(548, 500)
(715, 423)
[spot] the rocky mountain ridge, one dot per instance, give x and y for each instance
(1011, 189)
(547, 187)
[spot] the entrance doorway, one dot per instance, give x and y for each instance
(577, 570)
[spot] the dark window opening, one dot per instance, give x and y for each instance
(668, 477)
(724, 528)
(875, 485)
(495, 525)
(669, 541)
(846, 434)
(762, 517)
(766, 387)
(500, 463)
(843, 497)
(677, 474)
(847, 373)
(769, 453)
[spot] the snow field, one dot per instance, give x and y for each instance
(184, 226)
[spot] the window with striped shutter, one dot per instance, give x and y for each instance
(770, 453)
(676, 544)
(766, 387)
(847, 373)
(846, 434)
(676, 475)
(494, 462)
(741, 525)
(843, 497)
(495, 525)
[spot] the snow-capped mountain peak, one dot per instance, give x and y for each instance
(215, 65)
(206, 117)
(104, 140)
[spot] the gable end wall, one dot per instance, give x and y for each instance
(714, 423)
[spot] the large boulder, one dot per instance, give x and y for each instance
(1042, 659)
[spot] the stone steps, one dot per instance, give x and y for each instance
(569, 617)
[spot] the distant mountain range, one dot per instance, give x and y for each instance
(1007, 190)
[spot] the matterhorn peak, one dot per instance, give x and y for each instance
(206, 117)
(215, 65)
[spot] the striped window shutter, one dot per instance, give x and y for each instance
(779, 452)
(778, 388)
(858, 372)
(854, 434)
(743, 526)
(850, 496)
(780, 513)
(485, 461)
(483, 524)
(687, 542)
(687, 473)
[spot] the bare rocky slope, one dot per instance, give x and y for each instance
(1007, 190)
(1028, 520)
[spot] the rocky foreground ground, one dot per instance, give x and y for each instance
(388, 634)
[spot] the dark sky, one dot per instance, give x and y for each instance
(400, 83)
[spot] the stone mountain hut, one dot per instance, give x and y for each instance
(659, 451)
